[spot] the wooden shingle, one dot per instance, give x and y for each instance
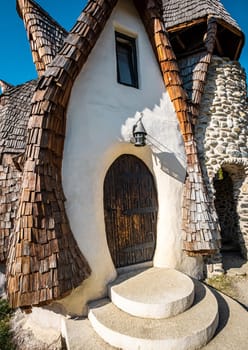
(45, 35)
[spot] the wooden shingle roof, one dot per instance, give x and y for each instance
(15, 108)
(177, 12)
(45, 35)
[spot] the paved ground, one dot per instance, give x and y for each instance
(232, 332)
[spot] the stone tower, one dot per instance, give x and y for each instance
(208, 43)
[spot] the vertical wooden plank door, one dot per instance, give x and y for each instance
(130, 208)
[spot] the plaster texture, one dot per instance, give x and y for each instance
(153, 293)
(100, 118)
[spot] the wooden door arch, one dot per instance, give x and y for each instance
(130, 210)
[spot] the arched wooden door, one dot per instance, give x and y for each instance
(130, 208)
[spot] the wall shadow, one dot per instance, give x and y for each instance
(170, 165)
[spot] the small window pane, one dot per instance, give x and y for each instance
(126, 60)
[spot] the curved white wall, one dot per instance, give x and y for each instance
(100, 118)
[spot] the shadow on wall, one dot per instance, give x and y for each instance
(163, 136)
(171, 166)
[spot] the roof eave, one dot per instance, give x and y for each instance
(235, 31)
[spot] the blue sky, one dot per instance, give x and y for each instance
(16, 64)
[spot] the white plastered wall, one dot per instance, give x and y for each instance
(100, 117)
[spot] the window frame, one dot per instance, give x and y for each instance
(133, 65)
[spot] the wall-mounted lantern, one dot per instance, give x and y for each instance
(141, 138)
(139, 134)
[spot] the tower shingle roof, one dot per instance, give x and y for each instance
(177, 12)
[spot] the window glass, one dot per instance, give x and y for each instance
(126, 60)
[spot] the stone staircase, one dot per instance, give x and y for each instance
(156, 309)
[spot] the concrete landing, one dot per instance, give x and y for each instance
(154, 293)
(189, 330)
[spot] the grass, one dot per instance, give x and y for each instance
(222, 283)
(5, 332)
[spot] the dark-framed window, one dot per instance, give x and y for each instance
(126, 56)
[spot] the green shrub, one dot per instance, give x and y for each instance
(5, 310)
(5, 332)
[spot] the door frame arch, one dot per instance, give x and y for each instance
(130, 211)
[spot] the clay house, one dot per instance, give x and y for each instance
(129, 148)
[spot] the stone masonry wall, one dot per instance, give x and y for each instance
(221, 134)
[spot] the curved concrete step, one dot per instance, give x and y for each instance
(187, 331)
(232, 330)
(153, 293)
